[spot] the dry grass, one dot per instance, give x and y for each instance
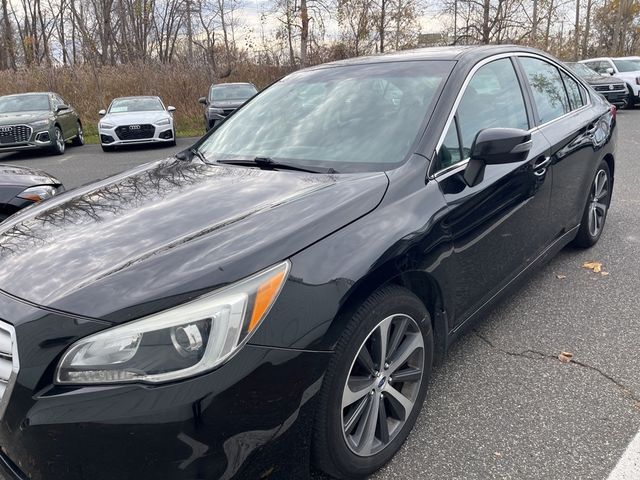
(90, 89)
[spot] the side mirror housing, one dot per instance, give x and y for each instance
(102, 112)
(610, 71)
(61, 108)
(202, 100)
(496, 146)
(171, 108)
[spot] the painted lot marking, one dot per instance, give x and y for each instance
(628, 467)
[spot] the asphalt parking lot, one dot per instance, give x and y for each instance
(502, 405)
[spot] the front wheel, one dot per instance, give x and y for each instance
(375, 384)
(58, 144)
(596, 209)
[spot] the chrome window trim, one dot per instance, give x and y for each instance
(4, 401)
(476, 67)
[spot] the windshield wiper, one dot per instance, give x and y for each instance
(270, 164)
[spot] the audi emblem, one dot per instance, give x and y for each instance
(134, 127)
(6, 129)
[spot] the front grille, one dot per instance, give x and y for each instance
(14, 134)
(135, 132)
(607, 88)
(8, 364)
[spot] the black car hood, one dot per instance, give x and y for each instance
(599, 80)
(167, 231)
(21, 177)
(228, 103)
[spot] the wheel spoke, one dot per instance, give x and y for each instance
(383, 426)
(400, 404)
(600, 207)
(399, 331)
(366, 432)
(407, 375)
(593, 222)
(410, 344)
(364, 359)
(355, 389)
(380, 342)
(356, 414)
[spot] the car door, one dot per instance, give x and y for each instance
(570, 123)
(498, 226)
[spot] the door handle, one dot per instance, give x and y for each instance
(541, 163)
(592, 128)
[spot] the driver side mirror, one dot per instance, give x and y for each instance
(496, 146)
(610, 71)
(61, 108)
(171, 108)
(102, 112)
(202, 100)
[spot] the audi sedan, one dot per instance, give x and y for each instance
(135, 120)
(278, 294)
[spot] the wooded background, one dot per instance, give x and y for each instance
(93, 50)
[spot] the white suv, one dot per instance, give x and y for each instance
(626, 68)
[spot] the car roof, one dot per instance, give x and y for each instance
(29, 93)
(458, 52)
(596, 59)
(137, 96)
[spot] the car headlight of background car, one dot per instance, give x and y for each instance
(40, 123)
(177, 343)
(105, 125)
(164, 121)
(39, 193)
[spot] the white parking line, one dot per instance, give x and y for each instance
(64, 159)
(628, 467)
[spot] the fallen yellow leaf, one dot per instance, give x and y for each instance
(565, 357)
(595, 266)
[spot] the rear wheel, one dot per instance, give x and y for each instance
(58, 144)
(79, 140)
(375, 385)
(595, 211)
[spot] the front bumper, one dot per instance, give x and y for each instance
(40, 138)
(616, 97)
(249, 418)
(162, 134)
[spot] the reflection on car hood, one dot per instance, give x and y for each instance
(118, 248)
(128, 118)
(15, 175)
(23, 117)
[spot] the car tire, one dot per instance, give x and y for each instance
(596, 209)
(58, 144)
(79, 140)
(108, 148)
(338, 447)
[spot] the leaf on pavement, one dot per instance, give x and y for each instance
(561, 276)
(604, 273)
(595, 266)
(565, 357)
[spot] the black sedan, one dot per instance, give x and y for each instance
(22, 186)
(278, 293)
(612, 88)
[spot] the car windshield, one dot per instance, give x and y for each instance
(225, 93)
(24, 103)
(582, 70)
(627, 65)
(122, 105)
(350, 118)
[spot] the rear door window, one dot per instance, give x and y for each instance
(548, 89)
(573, 91)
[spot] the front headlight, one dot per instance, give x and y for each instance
(105, 125)
(40, 123)
(39, 193)
(164, 121)
(177, 343)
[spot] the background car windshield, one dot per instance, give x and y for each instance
(231, 92)
(350, 118)
(582, 70)
(122, 105)
(24, 103)
(627, 65)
